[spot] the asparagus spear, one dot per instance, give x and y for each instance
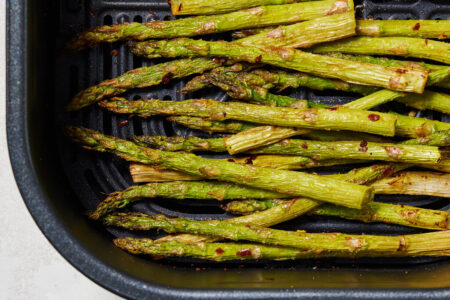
(415, 245)
(295, 207)
(440, 138)
(415, 183)
(205, 7)
(263, 135)
(374, 212)
(247, 86)
(289, 182)
(306, 34)
(194, 144)
(180, 190)
(254, 17)
(398, 46)
(316, 149)
(145, 173)
(178, 143)
(139, 78)
(440, 79)
(270, 79)
(358, 150)
(431, 29)
(212, 126)
(336, 242)
(407, 80)
(428, 100)
(246, 91)
(335, 118)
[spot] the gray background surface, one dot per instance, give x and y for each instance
(30, 268)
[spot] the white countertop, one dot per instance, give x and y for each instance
(30, 268)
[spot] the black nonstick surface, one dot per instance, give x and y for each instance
(88, 176)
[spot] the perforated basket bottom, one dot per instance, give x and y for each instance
(92, 175)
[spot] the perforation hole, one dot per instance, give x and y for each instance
(93, 183)
(73, 80)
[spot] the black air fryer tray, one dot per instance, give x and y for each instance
(59, 181)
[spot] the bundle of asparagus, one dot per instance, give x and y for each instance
(265, 186)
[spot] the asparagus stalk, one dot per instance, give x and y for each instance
(338, 242)
(212, 251)
(336, 118)
(139, 78)
(194, 143)
(428, 100)
(247, 86)
(416, 245)
(440, 139)
(306, 34)
(443, 166)
(254, 17)
(178, 143)
(289, 182)
(397, 46)
(411, 127)
(374, 212)
(246, 91)
(295, 207)
(358, 150)
(212, 126)
(429, 29)
(247, 207)
(407, 80)
(146, 173)
(270, 79)
(440, 78)
(244, 33)
(415, 183)
(204, 7)
(180, 190)
(317, 150)
(263, 135)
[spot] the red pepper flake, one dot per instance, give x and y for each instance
(219, 251)
(249, 161)
(197, 269)
(374, 117)
(219, 60)
(333, 107)
(179, 6)
(123, 124)
(244, 252)
(417, 26)
(305, 145)
(442, 37)
(230, 160)
(426, 42)
(258, 59)
(114, 52)
(388, 172)
(167, 78)
(363, 145)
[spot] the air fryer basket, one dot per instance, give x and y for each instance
(59, 181)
